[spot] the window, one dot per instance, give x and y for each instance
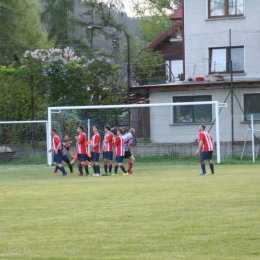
(225, 8)
(252, 106)
(192, 114)
(219, 59)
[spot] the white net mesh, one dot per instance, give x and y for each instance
(166, 134)
(23, 143)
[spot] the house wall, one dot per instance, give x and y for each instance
(202, 33)
(163, 130)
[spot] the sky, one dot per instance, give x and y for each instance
(127, 4)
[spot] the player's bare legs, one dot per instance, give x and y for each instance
(130, 164)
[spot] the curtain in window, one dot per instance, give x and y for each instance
(237, 56)
(236, 7)
(217, 7)
(218, 60)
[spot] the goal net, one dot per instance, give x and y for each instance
(23, 142)
(164, 133)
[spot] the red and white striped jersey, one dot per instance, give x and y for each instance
(119, 143)
(96, 139)
(82, 143)
(55, 142)
(207, 141)
(108, 146)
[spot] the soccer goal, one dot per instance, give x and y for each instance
(252, 134)
(23, 142)
(165, 132)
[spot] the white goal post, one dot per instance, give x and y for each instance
(215, 105)
(251, 131)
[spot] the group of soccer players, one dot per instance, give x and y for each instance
(123, 144)
(123, 149)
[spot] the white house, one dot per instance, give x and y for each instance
(209, 26)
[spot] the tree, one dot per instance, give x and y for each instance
(100, 13)
(20, 29)
(69, 79)
(154, 16)
(15, 96)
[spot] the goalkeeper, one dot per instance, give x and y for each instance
(65, 148)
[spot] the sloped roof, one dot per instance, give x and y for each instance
(177, 15)
(165, 35)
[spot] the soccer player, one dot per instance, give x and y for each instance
(206, 148)
(81, 150)
(120, 151)
(95, 150)
(65, 148)
(56, 147)
(128, 141)
(108, 150)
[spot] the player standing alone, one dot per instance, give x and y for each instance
(108, 150)
(120, 151)
(206, 146)
(128, 142)
(56, 147)
(81, 150)
(95, 150)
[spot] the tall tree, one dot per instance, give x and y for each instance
(20, 29)
(100, 14)
(154, 16)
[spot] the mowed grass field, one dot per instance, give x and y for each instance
(161, 212)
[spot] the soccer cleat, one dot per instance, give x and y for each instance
(81, 174)
(213, 173)
(64, 174)
(87, 174)
(96, 175)
(113, 174)
(55, 173)
(73, 173)
(106, 174)
(130, 172)
(125, 173)
(203, 174)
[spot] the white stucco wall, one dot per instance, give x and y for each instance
(202, 33)
(163, 130)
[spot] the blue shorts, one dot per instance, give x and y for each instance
(108, 155)
(82, 157)
(206, 155)
(58, 157)
(65, 158)
(119, 159)
(94, 156)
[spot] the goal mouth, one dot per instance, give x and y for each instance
(164, 132)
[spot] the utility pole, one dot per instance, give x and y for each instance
(115, 47)
(232, 93)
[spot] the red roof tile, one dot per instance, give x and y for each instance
(177, 14)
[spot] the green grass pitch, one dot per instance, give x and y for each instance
(161, 212)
